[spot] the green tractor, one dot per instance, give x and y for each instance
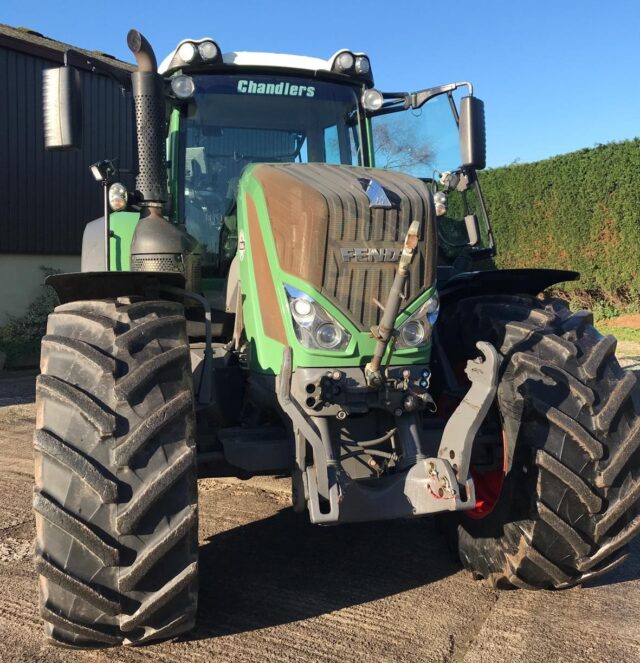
(296, 287)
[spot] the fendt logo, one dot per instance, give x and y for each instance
(386, 254)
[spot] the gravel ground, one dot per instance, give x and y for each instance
(274, 588)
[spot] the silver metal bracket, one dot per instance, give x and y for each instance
(462, 427)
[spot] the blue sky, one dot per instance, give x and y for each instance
(555, 76)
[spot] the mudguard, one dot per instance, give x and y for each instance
(501, 282)
(109, 285)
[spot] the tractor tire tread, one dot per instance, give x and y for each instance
(116, 495)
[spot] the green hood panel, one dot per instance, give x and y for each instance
(122, 226)
(264, 246)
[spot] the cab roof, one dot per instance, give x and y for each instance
(259, 59)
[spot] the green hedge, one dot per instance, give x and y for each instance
(578, 211)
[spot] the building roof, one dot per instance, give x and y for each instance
(34, 43)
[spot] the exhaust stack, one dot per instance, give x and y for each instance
(157, 244)
(148, 98)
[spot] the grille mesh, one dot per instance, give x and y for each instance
(162, 263)
(343, 219)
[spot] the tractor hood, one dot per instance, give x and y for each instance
(341, 230)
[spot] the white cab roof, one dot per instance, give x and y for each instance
(275, 60)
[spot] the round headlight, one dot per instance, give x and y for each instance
(118, 197)
(328, 336)
(372, 100)
(183, 87)
(412, 333)
(208, 50)
(362, 65)
(440, 201)
(187, 51)
(303, 311)
(344, 61)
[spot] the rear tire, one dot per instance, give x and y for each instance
(571, 416)
(116, 493)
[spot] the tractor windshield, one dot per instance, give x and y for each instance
(236, 120)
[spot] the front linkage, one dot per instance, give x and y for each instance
(423, 484)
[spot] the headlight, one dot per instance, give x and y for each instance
(302, 311)
(328, 335)
(416, 331)
(118, 197)
(187, 51)
(314, 327)
(208, 50)
(412, 333)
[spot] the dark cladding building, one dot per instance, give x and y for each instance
(46, 198)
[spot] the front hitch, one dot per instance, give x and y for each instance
(429, 485)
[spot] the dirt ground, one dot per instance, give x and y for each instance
(274, 588)
(631, 320)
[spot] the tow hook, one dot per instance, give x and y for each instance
(439, 486)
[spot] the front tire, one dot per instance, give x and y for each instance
(116, 493)
(571, 418)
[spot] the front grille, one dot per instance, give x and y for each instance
(319, 211)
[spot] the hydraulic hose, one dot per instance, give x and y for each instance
(392, 306)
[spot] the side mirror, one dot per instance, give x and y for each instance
(62, 108)
(473, 147)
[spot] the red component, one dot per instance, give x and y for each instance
(488, 487)
(488, 484)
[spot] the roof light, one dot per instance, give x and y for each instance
(344, 61)
(187, 51)
(208, 50)
(363, 66)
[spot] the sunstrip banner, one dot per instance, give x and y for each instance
(281, 89)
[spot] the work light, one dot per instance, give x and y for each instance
(183, 86)
(208, 50)
(102, 170)
(372, 100)
(344, 61)
(363, 66)
(187, 51)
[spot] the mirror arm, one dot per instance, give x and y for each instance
(75, 58)
(419, 99)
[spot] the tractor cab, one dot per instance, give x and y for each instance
(229, 111)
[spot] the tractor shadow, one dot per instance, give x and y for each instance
(282, 569)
